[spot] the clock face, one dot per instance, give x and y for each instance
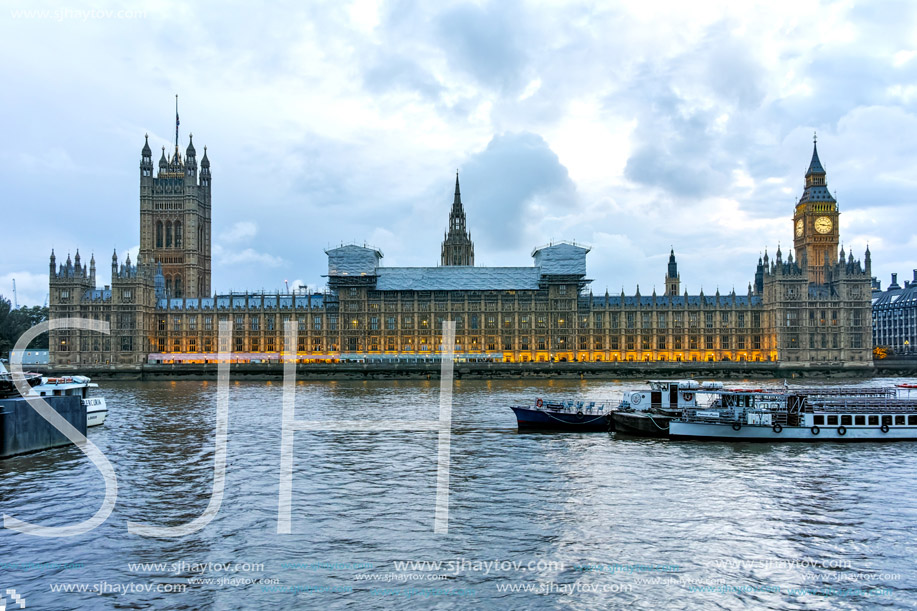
(823, 224)
(799, 228)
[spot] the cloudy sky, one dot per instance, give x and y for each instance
(632, 128)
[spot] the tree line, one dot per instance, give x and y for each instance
(14, 322)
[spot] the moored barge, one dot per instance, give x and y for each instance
(802, 414)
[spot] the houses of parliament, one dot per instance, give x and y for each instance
(810, 307)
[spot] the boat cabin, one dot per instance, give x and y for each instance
(811, 408)
(65, 387)
(668, 395)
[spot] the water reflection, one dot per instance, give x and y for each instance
(737, 519)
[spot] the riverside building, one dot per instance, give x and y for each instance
(894, 317)
(809, 308)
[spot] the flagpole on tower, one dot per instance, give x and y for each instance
(177, 122)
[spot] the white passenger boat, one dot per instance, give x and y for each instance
(96, 409)
(802, 414)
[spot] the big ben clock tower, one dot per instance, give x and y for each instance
(815, 223)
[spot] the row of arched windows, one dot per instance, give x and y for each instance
(168, 234)
(174, 286)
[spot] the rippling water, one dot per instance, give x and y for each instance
(591, 522)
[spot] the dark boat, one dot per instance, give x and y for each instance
(8, 382)
(647, 413)
(565, 416)
(642, 424)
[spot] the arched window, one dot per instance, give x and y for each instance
(168, 234)
(178, 286)
(177, 234)
(158, 234)
(168, 286)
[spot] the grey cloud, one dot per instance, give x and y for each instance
(504, 183)
(396, 72)
(486, 42)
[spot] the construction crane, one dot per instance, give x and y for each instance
(287, 284)
(15, 299)
(47, 295)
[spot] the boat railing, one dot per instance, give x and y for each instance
(862, 405)
(846, 391)
(573, 407)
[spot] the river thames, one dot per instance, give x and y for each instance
(535, 521)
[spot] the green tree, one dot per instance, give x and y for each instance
(15, 322)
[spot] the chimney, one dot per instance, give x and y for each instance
(915, 276)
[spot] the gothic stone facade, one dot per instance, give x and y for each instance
(175, 219)
(814, 308)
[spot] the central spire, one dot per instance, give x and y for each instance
(457, 202)
(457, 247)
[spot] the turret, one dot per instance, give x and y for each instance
(53, 263)
(146, 158)
(205, 170)
(759, 277)
(92, 269)
(114, 264)
(672, 277)
(190, 153)
(190, 159)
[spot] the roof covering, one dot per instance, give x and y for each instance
(457, 278)
(353, 260)
(562, 258)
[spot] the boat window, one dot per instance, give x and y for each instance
(899, 419)
(818, 420)
(832, 420)
(846, 419)
(859, 420)
(873, 421)
(912, 420)
(887, 420)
